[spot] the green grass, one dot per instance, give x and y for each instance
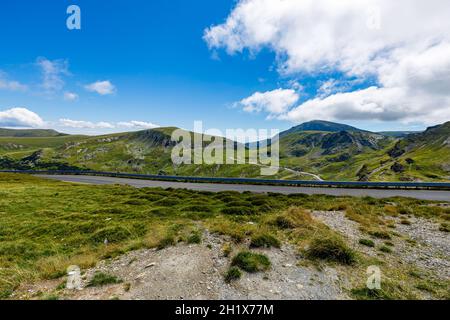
(251, 262)
(331, 249)
(265, 241)
(46, 226)
(385, 249)
(367, 243)
(102, 279)
(195, 238)
(232, 274)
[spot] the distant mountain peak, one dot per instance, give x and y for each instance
(321, 125)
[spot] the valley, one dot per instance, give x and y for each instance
(317, 150)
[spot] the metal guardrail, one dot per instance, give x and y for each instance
(342, 184)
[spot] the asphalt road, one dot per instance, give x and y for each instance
(216, 187)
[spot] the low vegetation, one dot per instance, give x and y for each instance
(233, 274)
(102, 279)
(367, 243)
(46, 226)
(265, 240)
(332, 249)
(251, 262)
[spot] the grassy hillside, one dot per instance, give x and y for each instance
(333, 155)
(29, 133)
(45, 226)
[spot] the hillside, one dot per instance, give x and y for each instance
(28, 133)
(332, 155)
(320, 125)
(304, 154)
(144, 152)
(424, 155)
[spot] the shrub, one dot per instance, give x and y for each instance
(385, 249)
(265, 241)
(232, 274)
(195, 237)
(405, 222)
(380, 234)
(284, 222)
(241, 211)
(101, 279)
(166, 242)
(251, 262)
(226, 249)
(445, 227)
(293, 218)
(367, 243)
(331, 249)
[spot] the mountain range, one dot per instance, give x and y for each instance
(312, 150)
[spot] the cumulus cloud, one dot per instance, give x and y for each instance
(53, 72)
(137, 125)
(81, 124)
(20, 117)
(78, 124)
(70, 96)
(274, 102)
(101, 87)
(11, 85)
(403, 45)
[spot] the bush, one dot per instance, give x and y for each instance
(445, 227)
(294, 218)
(232, 274)
(380, 234)
(283, 222)
(227, 249)
(101, 279)
(241, 211)
(194, 238)
(251, 262)
(385, 249)
(166, 242)
(265, 241)
(367, 243)
(331, 249)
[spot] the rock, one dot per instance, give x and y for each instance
(152, 264)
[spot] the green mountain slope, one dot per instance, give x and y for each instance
(29, 133)
(320, 125)
(144, 152)
(304, 154)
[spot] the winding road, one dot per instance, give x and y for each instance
(216, 187)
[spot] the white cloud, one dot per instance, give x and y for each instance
(137, 125)
(78, 124)
(70, 96)
(20, 117)
(101, 87)
(274, 102)
(406, 52)
(11, 85)
(52, 73)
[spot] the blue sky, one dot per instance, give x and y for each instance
(158, 67)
